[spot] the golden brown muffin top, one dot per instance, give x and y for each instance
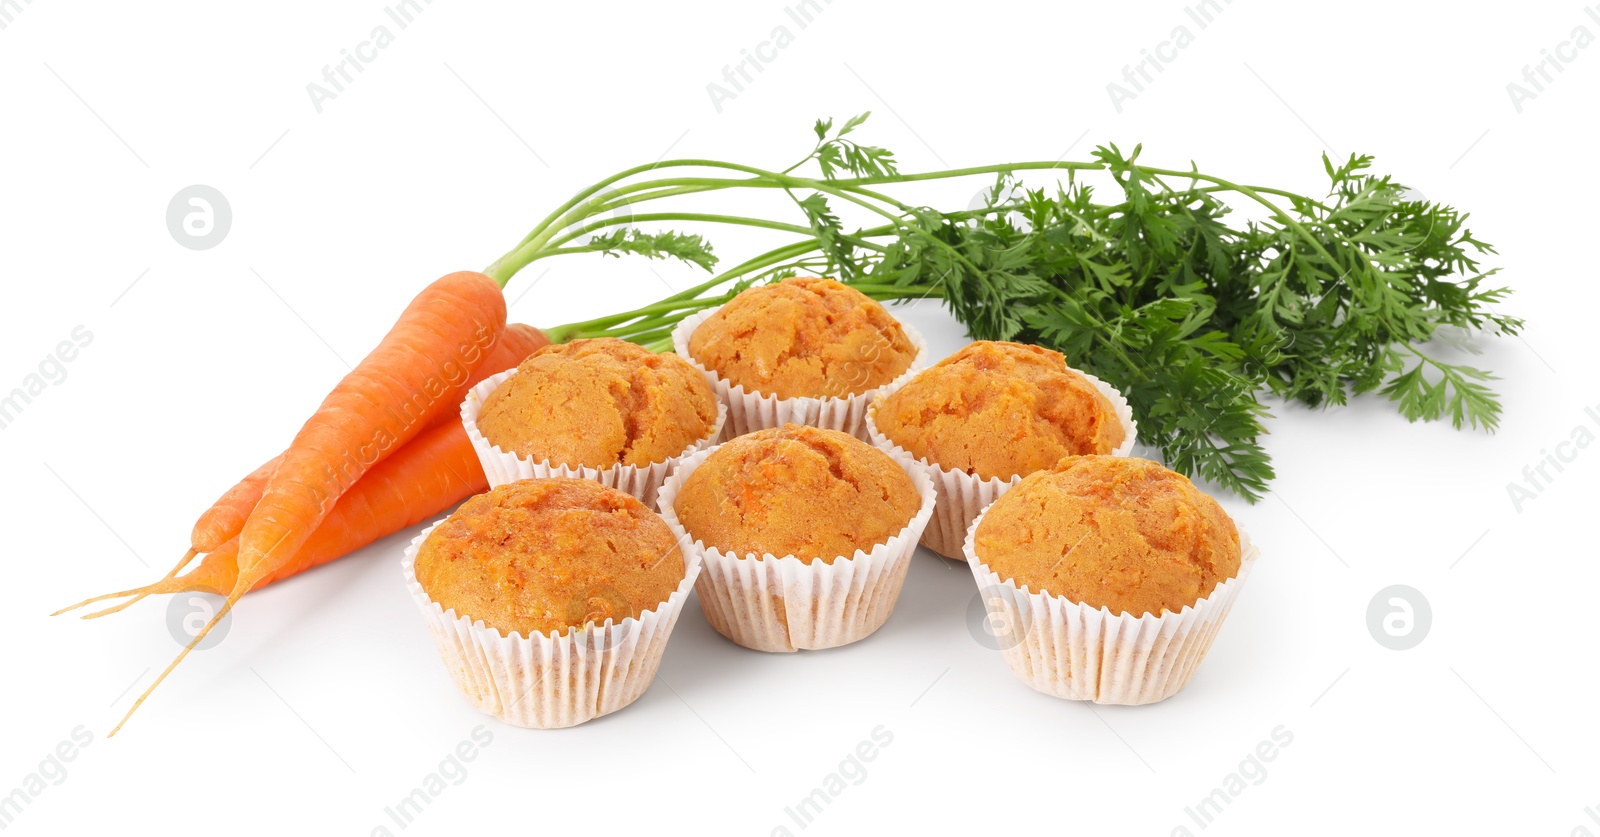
(998, 410)
(1108, 531)
(803, 338)
(599, 403)
(542, 556)
(797, 490)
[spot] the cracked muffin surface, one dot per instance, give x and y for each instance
(599, 403)
(803, 337)
(797, 490)
(542, 556)
(996, 409)
(1115, 532)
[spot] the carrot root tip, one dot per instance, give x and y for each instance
(233, 597)
(137, 592)
(119, 606)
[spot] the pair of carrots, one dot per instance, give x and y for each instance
(384, 451)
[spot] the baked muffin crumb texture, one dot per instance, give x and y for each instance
(797, 490)
(1121, 533)
(996, 410)
(599, 403)
(803, 337)
(543, 556)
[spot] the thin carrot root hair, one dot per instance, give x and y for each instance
(165, 585)
(215, 573)
(238, 591)
(137, 592)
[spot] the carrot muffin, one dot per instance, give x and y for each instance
(543, 556)
(998, 409)
(597, 404)
(803, 338)
(1120, 533)
(797, 490)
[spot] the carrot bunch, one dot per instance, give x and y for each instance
(384, 451)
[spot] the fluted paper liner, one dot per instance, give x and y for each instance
(546, 681)
(503, 466)
(962, 495)
(1078, 652)
(752, 411)
(784, 604)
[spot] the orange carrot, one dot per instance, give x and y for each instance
(223, 521)
(219, 523)
(432, 473)
(391, 396)
(216, 525)
(516, 343)
(227, 515)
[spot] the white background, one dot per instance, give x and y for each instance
(326, 701)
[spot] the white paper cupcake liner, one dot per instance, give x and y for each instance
(784, 604)
(544, 681)
(1078, 652)
(752, 411)
(962, 495)
(502, 466)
